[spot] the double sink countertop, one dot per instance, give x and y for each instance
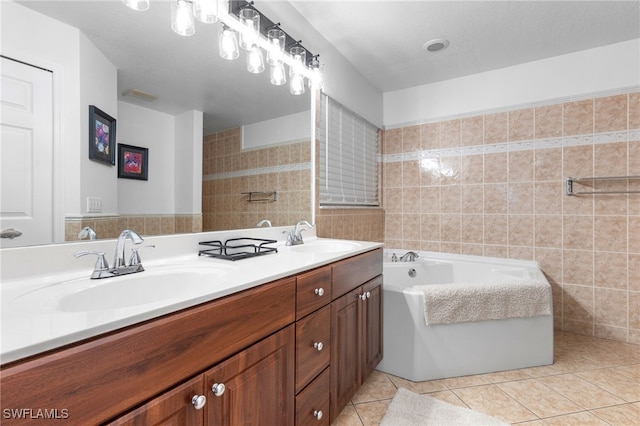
(48, 299)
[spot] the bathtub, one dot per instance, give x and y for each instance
(417, 352)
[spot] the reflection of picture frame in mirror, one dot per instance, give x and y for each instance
(102, 136)
(133, 162)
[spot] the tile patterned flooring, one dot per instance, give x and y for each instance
(592, 382)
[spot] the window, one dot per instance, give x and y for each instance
(348, 157)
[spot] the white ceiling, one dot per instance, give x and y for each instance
(382, 39)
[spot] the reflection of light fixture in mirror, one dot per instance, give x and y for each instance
(299, 58)
(255, 60)
(205, 11)
(182, 18)
(296, 86)
(315, 80)
(137, 4)
(250, 18)
(228, 43)
(277, 39)
(278, 74)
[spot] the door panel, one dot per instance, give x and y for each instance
(26, 153)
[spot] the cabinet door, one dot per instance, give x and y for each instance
(175, 407)
(345, 349)
(372, 323)
(258, 384)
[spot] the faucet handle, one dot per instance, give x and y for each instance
(289, 235)
(135, 257)
(101, 261)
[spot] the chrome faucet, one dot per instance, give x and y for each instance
(102, 269)
(294, 237)
(409, 256)
(119, 257)
(264, 222)
(87, 231)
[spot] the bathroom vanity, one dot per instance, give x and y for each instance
(292, 350)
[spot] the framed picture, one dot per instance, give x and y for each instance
(133, 162)
(102, 136)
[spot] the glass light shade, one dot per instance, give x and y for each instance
(137, 4)
(228, 43)
(205, 11)
(299, 56)
(255, 60)
(278, 74)
(277, 40)
(296, 87)
(250, 19)
(182, 18)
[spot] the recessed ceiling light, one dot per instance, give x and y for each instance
(140, 94)
(436, 45)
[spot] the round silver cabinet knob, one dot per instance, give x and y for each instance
(362, 296)
(368, 294)
(319, 291)
(317, 414)
(199, 401)
(218, 389)
(318, 346)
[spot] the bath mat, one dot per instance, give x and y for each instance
(409, 409)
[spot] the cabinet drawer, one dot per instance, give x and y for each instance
(313, 351)
(313, 291)
(314, 400)
(352, 272)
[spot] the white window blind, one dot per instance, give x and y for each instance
(348, 157)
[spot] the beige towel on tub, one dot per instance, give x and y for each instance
(450, 303)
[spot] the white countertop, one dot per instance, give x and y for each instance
(29, 328)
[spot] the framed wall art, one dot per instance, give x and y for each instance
(102, 136)
(133, 162)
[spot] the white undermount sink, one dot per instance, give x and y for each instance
(143, 288)
(326, 246)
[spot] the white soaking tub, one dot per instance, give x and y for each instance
(458, 347)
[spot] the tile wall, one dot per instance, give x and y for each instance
(110, 227)
(493, 184)
(229, 171)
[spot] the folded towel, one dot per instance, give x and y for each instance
(450, 303)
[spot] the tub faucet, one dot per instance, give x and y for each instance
(264, 222)
(409, 256)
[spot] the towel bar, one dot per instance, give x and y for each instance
(570, 181)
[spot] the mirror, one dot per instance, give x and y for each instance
(186, 74)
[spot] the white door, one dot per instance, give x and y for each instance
(26, 154)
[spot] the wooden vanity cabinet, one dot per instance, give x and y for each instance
(356, 324)
(293, 351)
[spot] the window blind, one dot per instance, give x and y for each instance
(348, 157)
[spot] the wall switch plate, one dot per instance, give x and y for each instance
(94, 205)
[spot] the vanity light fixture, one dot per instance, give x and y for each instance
(228, 43)
(255, 60)
(182, 18)
(206, 11)
(137, 4)
(242, 25)
(278, 74)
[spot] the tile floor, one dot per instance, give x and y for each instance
(592, 382)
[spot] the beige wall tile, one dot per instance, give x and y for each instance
(521, 124)
(430, 136)
(610, 113)
(610, 270)
(610, 307)
(548, 164)
(520, 166)
(450, 134)
(634, 110)
(392, 141)
(471, 131)
(411, 139)
(578, 118)
(548, 121)
(495, 167)
(496, 128)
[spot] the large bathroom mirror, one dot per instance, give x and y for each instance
(186, 74)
